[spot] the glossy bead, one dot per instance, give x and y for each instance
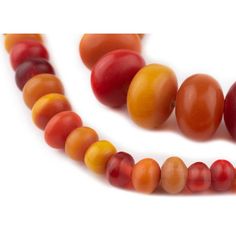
(94, 46)
(230, 111)
(199, 106)
(151, 95)
(112, 74)
(30, 68)
(78, 142)
(59, 127)
(97, 156)
(25, 50)
(47, 107)
(12, 39)
(119, 169)
(199, 177)
(39, 86)
(222, 175)
(146, 175)
(173, 175)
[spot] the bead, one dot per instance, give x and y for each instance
(222, 175)
(94, 46)
(141, 35)
(25, 50)
(146, 175)
(79, 141)
(199, 106)
(47, 107)
(112, 74)
(12, 39)
(97, 156)
(59, 127)
(199, 177)
(173, 175)
(151, 95)
(119, 169)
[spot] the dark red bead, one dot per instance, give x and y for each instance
(30, 68)
(199, 177)
(25, 50)
(222, 175)
(119, 169)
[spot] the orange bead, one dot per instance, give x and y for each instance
(48, 106)
(12, 39)
(79, 141)
(173, 175)
(141, 35)
(146, 175)
(94, 46)
(39, 86)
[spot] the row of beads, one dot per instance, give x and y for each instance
(63, 129)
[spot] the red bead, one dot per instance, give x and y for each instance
(25, 50)
(112, 74)
(222, 175)
(30, 68)
(119, 169)
(199, 177)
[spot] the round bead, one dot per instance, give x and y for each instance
(79, 141)
(47, 107)
(112, 74)
(119, 169)
(199, 177)
(39, 86)
(222, 175)
(94, 46)
(12, 39)
(173, 175)
(59, 127)
(199, 106)
(146, 175)
(97, 156)
(30, 68)
(151, 95)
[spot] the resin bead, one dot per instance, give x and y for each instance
(97, 156)
(222, 175)
(199, 177)
(146, 175)
(173, 175)
(199, 106)
(30, 68)
(78, 142)
(151, 96)
(119, 169)
(94, 46)
(59, 127)
(39, 86)
(112, 74)
(47, 107)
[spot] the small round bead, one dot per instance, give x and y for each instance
(119, 169)
(146, 175)
(173, 175)
(59, 127)
(79, 141)
(12, 39)
(199, 177)
(47, 107)
(222, 175)
(97, 156)
(39, 86)
(30, 68)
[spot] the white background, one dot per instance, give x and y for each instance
(44, 193)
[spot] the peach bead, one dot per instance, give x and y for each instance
(48, 106)
(39, 86)
(79, 141)
(97, 156)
